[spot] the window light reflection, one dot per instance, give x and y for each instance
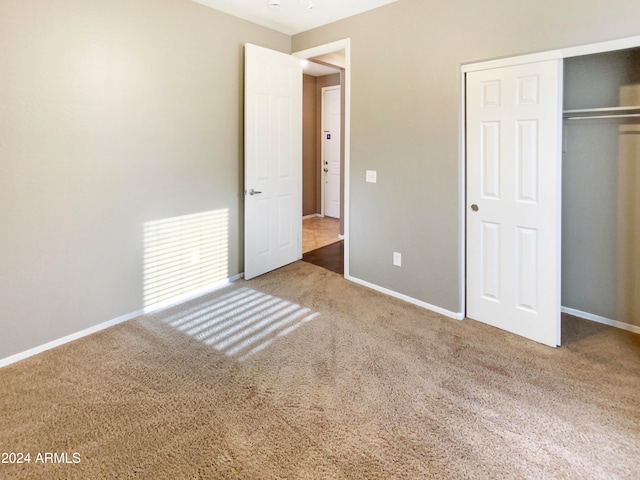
(184, 254)
(242, 322)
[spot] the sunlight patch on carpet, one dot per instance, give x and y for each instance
(242, 322)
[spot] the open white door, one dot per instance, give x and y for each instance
(272, 160)
(513, 198)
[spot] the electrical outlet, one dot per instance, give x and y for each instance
(397, 259)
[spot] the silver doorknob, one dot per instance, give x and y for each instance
(253, 192)
(474, 207)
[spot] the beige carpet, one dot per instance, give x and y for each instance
(300, 374)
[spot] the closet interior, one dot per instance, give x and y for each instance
(601, 186)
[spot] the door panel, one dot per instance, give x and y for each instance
(273, 159)
(513, 196)
(527, 160)
(490, 261)
(526, 271)
(490, 158)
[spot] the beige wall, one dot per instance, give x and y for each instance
(405, 60)
(112, 115)
(310, 192)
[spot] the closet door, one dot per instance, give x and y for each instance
(513, 198)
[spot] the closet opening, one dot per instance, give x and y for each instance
(601, 188)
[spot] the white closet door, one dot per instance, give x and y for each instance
(513, 198)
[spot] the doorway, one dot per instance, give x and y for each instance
(325, 198)
(318, 232)
(273, 217)
(321, 243)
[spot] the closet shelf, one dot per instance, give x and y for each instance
(608, 112)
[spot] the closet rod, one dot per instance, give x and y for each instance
(589, 117)
(604, 109)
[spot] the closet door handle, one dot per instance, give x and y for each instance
(474, 207)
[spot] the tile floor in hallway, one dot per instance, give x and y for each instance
(318, 232)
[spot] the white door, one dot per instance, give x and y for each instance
(513, 198)
(331, 150)
(272, 160)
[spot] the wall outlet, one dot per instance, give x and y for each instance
(397, 259)
(371, 176)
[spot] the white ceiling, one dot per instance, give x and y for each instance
(293, 16)
(318, 70)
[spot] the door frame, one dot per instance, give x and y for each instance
(322, 152)
(560, 54)
(340, 45)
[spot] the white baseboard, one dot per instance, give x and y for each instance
(69, 338)
(406, 298)
(110, 323)
(599, 319)
(313, 215)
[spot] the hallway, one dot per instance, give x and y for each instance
(318, 232)
(321, 244)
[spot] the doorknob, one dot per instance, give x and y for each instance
(474, 207)
(253, 192)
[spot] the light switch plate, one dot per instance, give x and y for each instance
(371, 176)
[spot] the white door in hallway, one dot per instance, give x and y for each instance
(272, 160)
(513, 198)
(331, 121)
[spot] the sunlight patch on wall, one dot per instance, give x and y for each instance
(184, 254)
(242, 322)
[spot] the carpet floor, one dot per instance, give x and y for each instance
(300, 374)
